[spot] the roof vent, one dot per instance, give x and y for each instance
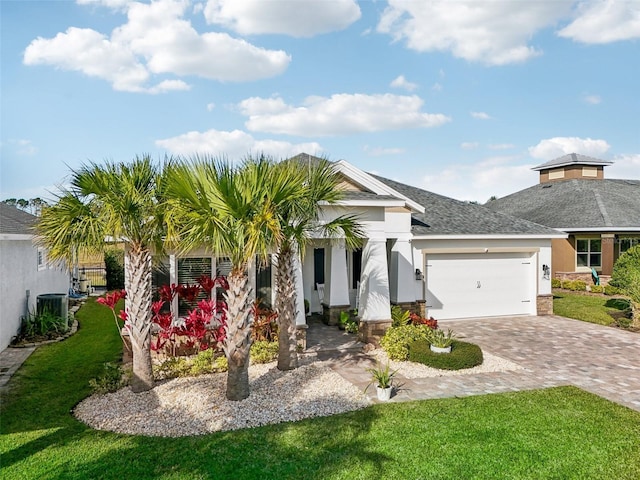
(547, 185)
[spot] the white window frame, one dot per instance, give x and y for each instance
(588, 252)
(41, 259)
(633, 241)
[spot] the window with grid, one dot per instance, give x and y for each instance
(627, 243)
(588, 252)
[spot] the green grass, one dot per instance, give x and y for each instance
(588, 308)
(554, 433)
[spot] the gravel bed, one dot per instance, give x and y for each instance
(412, 370)
(197, 405)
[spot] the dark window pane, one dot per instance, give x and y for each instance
(582, 245)
(357, 267)
(596, 245)
(583, 259)
(189, 270)
(595, 260)
(263, 282)
(318, 266)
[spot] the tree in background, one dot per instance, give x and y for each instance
(114, 268)
(626, 277)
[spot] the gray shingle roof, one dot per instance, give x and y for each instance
(572, 159)
(446, 216)
(576, 203)
(15, 221)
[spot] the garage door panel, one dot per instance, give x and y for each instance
(476, 285)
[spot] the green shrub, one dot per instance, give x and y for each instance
(399, 316)
(463, 355)
(597, 288)
(626, 273)
(114, 268)
(396, 340)
(575, 285)
(556, 283)
(202, 363)
(611, 290)
(172, 368)
(42, 326)
(111, 380)
(264, 352)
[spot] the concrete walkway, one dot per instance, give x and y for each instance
(553, 351)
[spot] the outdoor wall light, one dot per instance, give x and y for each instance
(418, 274)
(546, 271)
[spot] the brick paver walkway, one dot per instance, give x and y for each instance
(552, 350)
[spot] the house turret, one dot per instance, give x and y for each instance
(571, 166)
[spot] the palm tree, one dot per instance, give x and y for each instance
(319, 183)
(122, 201)
(232, 211)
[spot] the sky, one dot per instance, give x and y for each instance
(459, 97)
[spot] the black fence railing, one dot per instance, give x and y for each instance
(97, 276)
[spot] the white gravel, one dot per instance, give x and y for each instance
(197, 405)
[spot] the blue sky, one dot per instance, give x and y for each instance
(461, 98)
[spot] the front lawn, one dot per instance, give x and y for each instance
(588, 308)
(554, 433)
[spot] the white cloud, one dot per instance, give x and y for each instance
(339, 114)
(497, 176)
(289, 17)
(156, 40)
(436, 87)
(233, 145)
(551, 148)
(114, 4)
(480, 115)
(494, 33)
(210, 107)
(605, 21)
(625, 166)
(381, 151)
(593, 99)
(21, 147)
(469, 145)
(401, 82)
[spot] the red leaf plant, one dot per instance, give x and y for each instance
(203, 327)
(418, 320)
(110, 300)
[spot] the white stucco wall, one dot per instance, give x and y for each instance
(19, 273)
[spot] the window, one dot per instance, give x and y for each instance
(189, 270)
(588, 252)
(263, 282)
(356, 271)
(556, 174)
(627, 243)
(42, 259)
(589, 172)
(318, 266)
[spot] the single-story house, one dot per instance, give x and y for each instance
(447, 258)
(26, 273)
(601, 216)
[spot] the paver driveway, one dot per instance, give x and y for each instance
(552, 350)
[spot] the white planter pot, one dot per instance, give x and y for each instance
(440, 349)
(384, 394)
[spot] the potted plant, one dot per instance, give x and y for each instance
(382, 378)
(441, 342)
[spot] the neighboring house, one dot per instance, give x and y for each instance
(600, 216)
(24, 271)
(421, 251)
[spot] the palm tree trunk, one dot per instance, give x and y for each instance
(138, 287)
(286, 304)
(237, 344)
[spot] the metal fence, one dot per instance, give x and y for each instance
(97, 276)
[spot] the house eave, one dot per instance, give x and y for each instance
(599, 229)
(491, 237)
(366, 203)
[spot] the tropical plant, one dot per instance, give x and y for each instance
(122, 201)
(396, 340)
(231, 210)
(298, 215)
(114, 268)
(399, 316)
(381, 376)
(440, 339)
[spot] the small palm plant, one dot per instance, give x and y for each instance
(440, 339)
(381, 376)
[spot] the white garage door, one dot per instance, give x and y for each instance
(480, 285)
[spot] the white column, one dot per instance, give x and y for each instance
(336, 291)
(402, 274)
(300, 317)
(374, 282)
